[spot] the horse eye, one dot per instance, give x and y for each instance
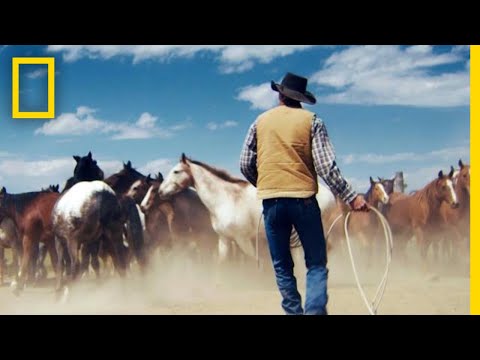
(176, 172)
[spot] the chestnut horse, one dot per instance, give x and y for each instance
(363, 226)
(415, 214)
(31, 213)
(456, 222)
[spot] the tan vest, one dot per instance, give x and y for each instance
(284, 154)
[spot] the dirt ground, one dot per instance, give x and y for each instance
(175, 285)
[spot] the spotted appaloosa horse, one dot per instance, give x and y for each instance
(416, 214)
(86, 213)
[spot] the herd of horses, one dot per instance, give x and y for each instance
(202, 211)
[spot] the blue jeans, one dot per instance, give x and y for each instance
(280, 216)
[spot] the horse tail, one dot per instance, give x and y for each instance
(134, 230)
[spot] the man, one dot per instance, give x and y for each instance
(284, 151)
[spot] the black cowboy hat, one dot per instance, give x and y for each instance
(294, 87)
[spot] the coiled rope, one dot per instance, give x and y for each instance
(371, 306)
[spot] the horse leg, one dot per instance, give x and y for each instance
(2, 264)
(224, 250)
(41, 273)
(114, 240)
(28, 243)
(94, 249)
(59, 264)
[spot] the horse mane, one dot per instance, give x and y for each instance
(21, 201)
(220, 173)
(426, 193)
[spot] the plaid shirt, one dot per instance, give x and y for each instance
(323, 158)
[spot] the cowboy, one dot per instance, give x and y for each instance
(286, 148)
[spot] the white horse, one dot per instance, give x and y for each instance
(234, 208)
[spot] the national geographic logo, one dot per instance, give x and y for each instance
(16, 113)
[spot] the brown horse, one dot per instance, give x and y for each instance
(31, 213)
(456, 222)
(181, 220)
(9, 240)
(121, 182)
(415, 214)
(363, 226)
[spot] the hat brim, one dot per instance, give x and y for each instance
(306, 97)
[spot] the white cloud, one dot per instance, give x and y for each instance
(232, 58)
(261, 97)
(84, 122)
(36, 74)
(447, 154)
(226, 124)
(392, 75)
(155, 166)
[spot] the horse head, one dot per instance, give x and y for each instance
(3, 198)
(87, 169)
(444, 188)
(463, 178)
(139, 189)
(178, 179)
(377, 192)
(123, 180)
(388, 184)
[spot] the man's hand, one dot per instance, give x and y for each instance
(359, 204)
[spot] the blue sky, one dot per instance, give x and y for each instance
(387, 108)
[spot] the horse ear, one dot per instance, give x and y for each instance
(129, 164)
(379, 178)
(372, 181)
(440, 174)
(183, 159)
(77, 158)
(160, 177)
(460, 163)
(90, 155)
(148, 179)
(452, 170)
(3, 191)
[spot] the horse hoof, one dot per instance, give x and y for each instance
(65, 296)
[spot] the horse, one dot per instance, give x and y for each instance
(9, 240)
(86, 169)
(415, 214)
(364, 226)
(182, 220)
(456, 222)
(87, 212)
(235, 211)
(31, 213)
(121, 183)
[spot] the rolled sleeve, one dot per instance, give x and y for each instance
(325, 163)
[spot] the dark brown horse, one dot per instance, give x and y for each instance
(121, 183)
(415, 214)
